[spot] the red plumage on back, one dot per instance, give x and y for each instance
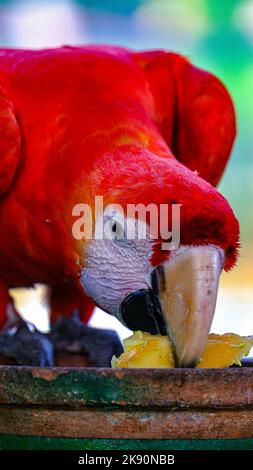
(196, 113)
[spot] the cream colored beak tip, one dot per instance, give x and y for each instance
(188, 287)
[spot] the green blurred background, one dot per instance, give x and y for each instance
(216, 35)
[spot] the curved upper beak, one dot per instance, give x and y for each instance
(187, 287)
(181, 301)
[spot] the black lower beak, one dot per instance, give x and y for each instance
(141, 310)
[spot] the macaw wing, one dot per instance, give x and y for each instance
(10, 142)
(195, 112)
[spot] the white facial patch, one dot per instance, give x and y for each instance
(118, 263)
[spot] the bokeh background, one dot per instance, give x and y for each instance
(215, 34)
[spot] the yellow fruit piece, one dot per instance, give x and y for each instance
(143, 350)
(225, 350)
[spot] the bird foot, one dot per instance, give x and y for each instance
(27, 345)
(73, 336)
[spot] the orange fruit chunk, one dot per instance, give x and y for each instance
(143, 350)
(225, 350)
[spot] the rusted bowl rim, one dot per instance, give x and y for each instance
(127, 388)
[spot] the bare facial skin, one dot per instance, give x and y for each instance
(186, 287)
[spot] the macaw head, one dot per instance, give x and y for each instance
(132, 277)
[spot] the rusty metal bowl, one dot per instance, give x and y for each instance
(136, 404)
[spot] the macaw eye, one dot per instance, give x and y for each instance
(118, 229)
(114, 229)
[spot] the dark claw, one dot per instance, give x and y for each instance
(27, 347)
(74, 336)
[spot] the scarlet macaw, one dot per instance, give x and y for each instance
(133, 127)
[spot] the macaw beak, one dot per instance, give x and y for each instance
(187, 288)
(181, 301)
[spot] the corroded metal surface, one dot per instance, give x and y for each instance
(140, 388)
(127, 403)
(94, 423)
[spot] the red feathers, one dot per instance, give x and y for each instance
(132, 175)
(105, 121)
(194, 111)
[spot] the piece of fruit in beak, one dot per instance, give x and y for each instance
(187, 288)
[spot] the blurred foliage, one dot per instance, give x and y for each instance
(124, 7)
